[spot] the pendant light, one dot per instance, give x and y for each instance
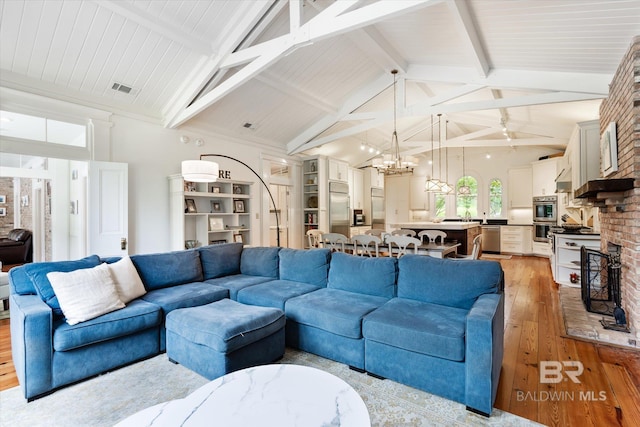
(445, 188)
(432, 185)
(393, 163)
(464, 189)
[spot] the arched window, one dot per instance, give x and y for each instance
(495, 198)
(441, 205)
(467, 197)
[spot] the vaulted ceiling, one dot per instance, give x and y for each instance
(313, 76)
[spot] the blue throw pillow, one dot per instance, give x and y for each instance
(220, 260)
(370, 276)
(260, 261)
(37, 272)
(168, 269)
(307, 266)
(447, 282)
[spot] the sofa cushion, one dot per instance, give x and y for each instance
(186, 295)
(420, 327)
(447, 282)
(364, 275)
(307, 266)
(127, 280)
(333, 310)
(136, 316)
(37, 272)
(225, 325)
(274, 293)
(86, 293)
(168, 269)
(220, 260)
(237, 282)
(260, 261)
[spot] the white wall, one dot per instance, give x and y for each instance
(153, 153)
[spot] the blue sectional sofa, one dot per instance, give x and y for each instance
(434, 324)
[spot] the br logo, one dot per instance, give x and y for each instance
(551, 371)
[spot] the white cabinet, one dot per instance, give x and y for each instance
(418, 197)
(374, 178)
(356, 188)
(544, 173)
(314, 195)
(516, 239)
(567, 256)
(520, 194)
(338, 170)
(397, 200)
(209, 213)
(583, 153)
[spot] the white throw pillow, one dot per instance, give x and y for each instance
(128, 282)
(86, 293)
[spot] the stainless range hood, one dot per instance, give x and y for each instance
(563, 181)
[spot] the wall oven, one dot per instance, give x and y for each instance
(541, 231)
(545, 209)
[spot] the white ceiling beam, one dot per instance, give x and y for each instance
(164, 28)
(329, 22)
(245, 18)
(467, 30)
(378, 49)
(515, 79)
(295, 15)
(306, 141)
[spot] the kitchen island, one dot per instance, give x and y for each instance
(463, 232)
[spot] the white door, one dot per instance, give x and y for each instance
(108, 208)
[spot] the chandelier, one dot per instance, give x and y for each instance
(392, 163)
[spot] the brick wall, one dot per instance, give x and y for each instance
(620, 219)
(6, 222)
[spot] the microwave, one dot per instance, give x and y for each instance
(545, 209)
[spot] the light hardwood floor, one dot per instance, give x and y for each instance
(533, 332)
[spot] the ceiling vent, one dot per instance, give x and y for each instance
(123, 88)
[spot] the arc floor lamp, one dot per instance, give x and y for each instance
(207, 171)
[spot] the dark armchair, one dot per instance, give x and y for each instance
(17, 247)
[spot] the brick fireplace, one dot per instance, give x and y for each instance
(620, 211)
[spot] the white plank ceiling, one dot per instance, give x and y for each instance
(313, 76)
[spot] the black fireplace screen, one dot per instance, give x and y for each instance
(600, 281)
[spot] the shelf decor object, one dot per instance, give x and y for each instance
(207, 171)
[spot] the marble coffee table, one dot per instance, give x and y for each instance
(269, 395)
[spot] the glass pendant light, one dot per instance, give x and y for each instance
(464, 189)
(432, 185)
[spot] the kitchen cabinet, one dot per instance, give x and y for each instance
(209, 213)
(356, 188)
(583, 153)
(516, 239)
(418, 197)
(544, 173)
(338, 170)
(314, 195)
(520, 193)
(566, 257)
(396, 200)
(372, 179)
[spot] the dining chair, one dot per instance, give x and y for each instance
(375, 232)
(314, 238)
(334, 241)
(403, 232)
(433, 235)
(403, 245)
(366, 245)
(476, 251)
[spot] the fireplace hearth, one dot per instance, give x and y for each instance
(600, 286)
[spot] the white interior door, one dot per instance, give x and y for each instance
(108, 209)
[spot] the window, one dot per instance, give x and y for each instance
(42, 129)
(467, 201)
(495, 198)
(441, 205)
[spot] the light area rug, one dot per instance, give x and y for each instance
(109, 398)
(494, 256)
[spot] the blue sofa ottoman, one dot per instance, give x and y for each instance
(224, 336)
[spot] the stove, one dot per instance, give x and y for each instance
(562, 230)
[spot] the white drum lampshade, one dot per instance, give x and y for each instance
(200, 171)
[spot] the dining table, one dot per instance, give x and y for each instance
(436, 250)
